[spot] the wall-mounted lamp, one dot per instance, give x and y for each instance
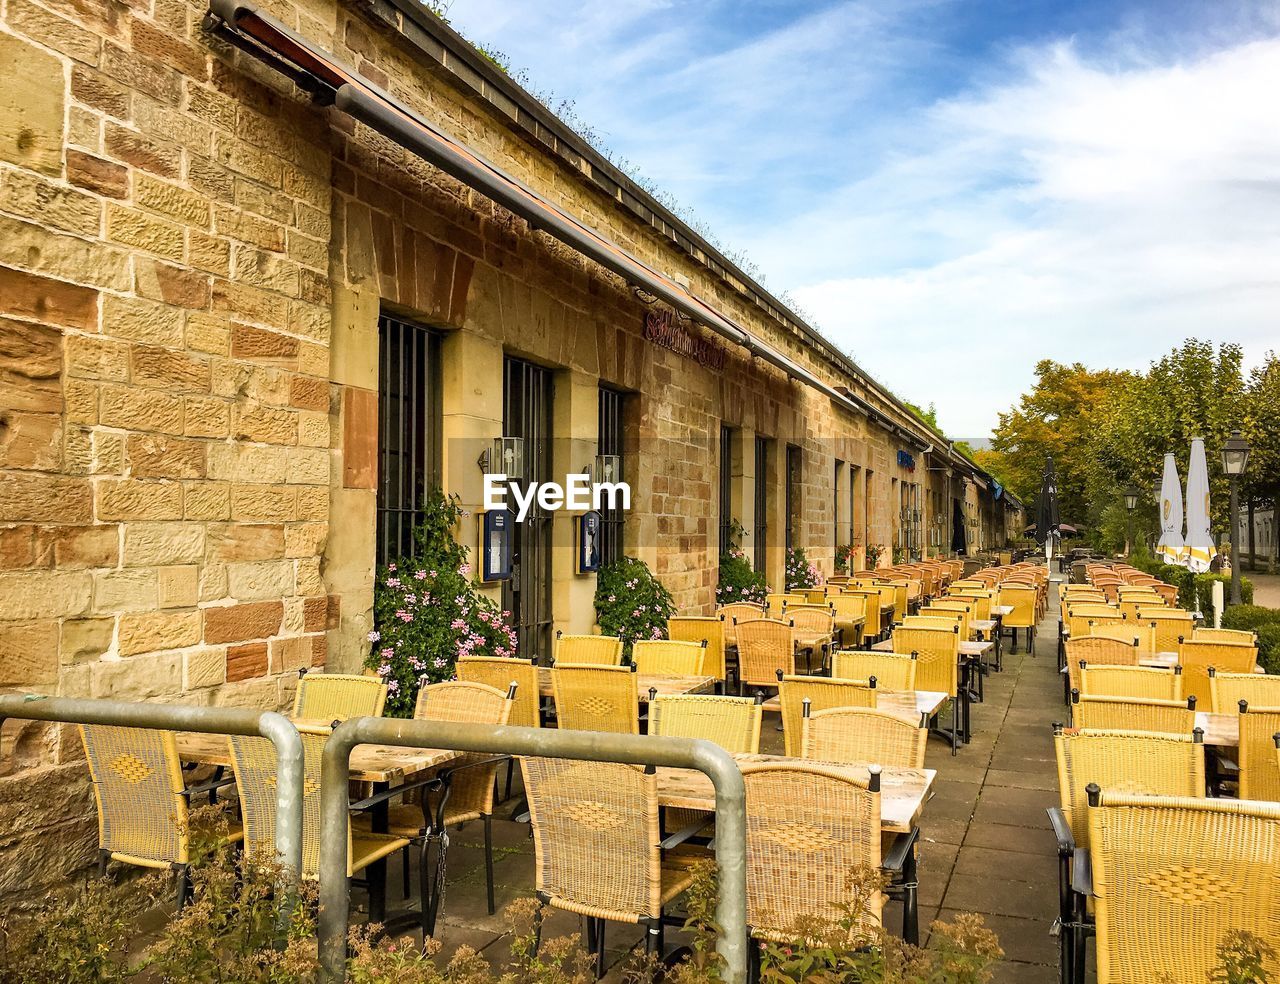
(606, 468)
(505, 457)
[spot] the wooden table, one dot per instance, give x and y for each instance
(1166, 661)
(902, 791)
(1222, 730)
(666, 686)
(908, 705)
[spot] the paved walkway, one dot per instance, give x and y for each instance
(986, 845)
(1266, 589)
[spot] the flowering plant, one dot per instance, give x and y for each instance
(874, 552)
(427, 612)
(631, 603)
(737, 581)
(801, 573)
(844, 558)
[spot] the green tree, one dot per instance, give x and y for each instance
(1261, 426)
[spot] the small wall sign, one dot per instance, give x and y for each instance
(588, 542)
(495, 545)
(662, 328)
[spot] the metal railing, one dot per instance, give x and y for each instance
(276, 728)
(682, 753)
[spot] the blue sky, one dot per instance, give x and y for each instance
(952, 189)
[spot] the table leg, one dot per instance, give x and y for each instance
(380, 819)
(999, 643)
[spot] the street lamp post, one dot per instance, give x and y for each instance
(1130, 503)
(1235, 455)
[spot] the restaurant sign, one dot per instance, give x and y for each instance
(662, 328)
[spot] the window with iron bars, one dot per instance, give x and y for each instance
(612, 405)
(760, 525)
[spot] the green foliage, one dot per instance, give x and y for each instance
(844, 558)
(1242, 959)
(874, 552)
(929, 416)
(800, 573)
(427, 611)
(631, 603)
(1269, 647)
(1266, 623)
(738, 581)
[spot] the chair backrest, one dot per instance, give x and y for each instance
(1241, 636)
(1169, 592)
(1228, 689)
(775, 601)
(664, 657)
(821, 692)
(1141, 635)
(338, 696)
(596, 836)
(596, 698)
(1079, 618)
(1171, 626)
(765, 646)
(961, 606)
(1179, 875)
(1259, 768)
(1129, 607)
(807, 829)
(1097, 651)
(894, 672)
(1022, 598)
(137, 783)
(932, 619)
(1167, 717)
(982, 601)
(733, 723)
(814, 596)
(1225, 657)
(863, 735)
(500, 672)
(848, 609)
(871, 610)
(1134, 761)
(811, 619)
(459, 701)
(937, 653)
(594, 650)
(702, 628)
(254, 762)
(1154, 683)
(738, 611)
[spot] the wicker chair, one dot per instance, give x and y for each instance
(1240, 636)
(142, 800)
(738, 611)
(872, 627)
(862, 735)
(960, 606)
(822, 692)
(765, 646)
(596, 698)
(808, 828)
(813, 621)
(981, 600)
(1140, 634)
(776, 601)
(733, 723)
(937, 653)
(1096, 651)
(1224, 657)
(708, 629)
(1164, 765)
(460, 793)
(500, 672)
(1172, 626)
(598, 846)
(850, 614)
(1147, 682)
(894, 672)
(254, 761)
(662, 657)
(1259, 771)
(1023, 599)
(1169, 717)
(1171, 877)
(338, 696)
(1228, 689)
(1131, 605)
(583, 650)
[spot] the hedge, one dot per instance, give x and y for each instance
(1265, 622)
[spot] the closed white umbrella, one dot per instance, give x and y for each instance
(1170, 548)
(1198, 547)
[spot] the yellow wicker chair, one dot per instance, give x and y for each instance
(733, 723)
(776, 601)
(593, 650)
(709, 629)
(1169, 592)
(1096, 651)
(1228, 689)
(807, 829)
(142, 800)
(1165, 765)
(596, 698)
(814, 596)
(1259, 771)
(1225, 657)
(1171, 877)
(738, 611)
(810, 623)
(894, 672)
(662, 657)
(464, 791)
(598, 846)
(1172, 626)
(1132, 605)
(937, 653)
(933, 619)
(1170, 717)
(1024, 600)
(863, 735)
(765, 646)
(500, 672)
(338, 696)
(963, 607)
(981, 600)
(850, 615)
(1147, 682)
(254, 761)
(1240, 636)
(822, 692)
(1142, 635)
(872, 627)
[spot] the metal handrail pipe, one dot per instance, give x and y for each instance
(276, 728)
(594, 746)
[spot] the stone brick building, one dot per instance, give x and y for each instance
(240, 332)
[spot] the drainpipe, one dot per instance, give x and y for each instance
(592, 746)
(276, 728)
